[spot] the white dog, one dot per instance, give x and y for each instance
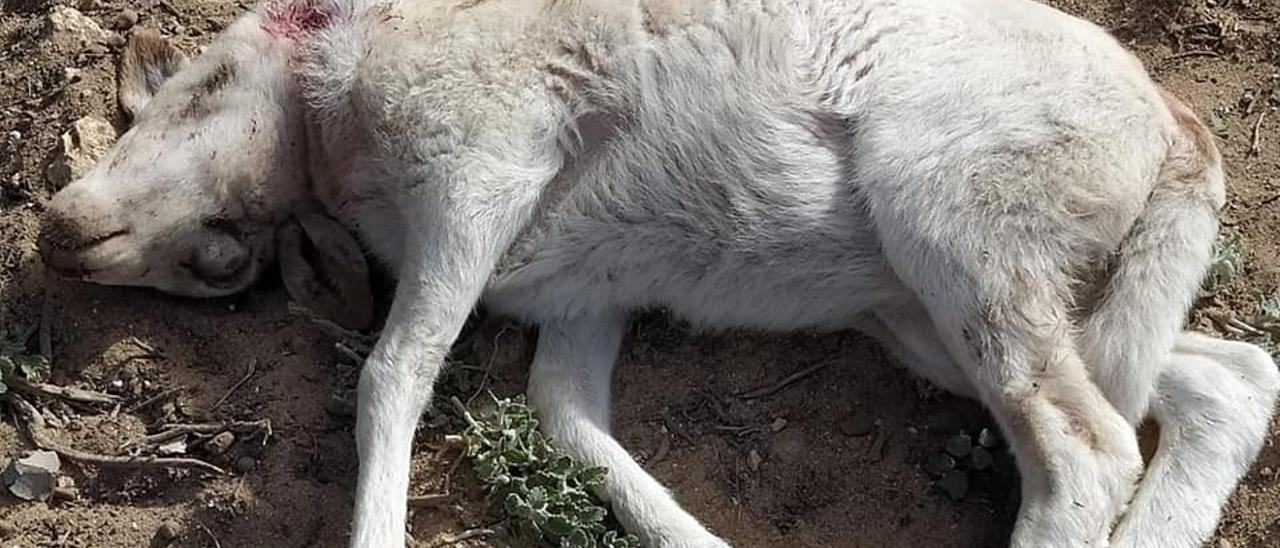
(993, 189)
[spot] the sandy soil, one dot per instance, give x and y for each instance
(834, 460)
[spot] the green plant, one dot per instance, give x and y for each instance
(540, 488)
(1269, 308)
(962, 459)
(1228, 260)
(15, 360)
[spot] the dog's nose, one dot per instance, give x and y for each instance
(73, 225)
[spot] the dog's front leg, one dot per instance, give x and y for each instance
(457, 229)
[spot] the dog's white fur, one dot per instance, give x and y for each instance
(994, 190)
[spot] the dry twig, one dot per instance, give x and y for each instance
(59, 392)
(785, 382)
(35, 427)
(153, 399)
(216, 543)
(1255, 144)
(422, 501)
(253, 368)
(465, 535)
(208, 429)
(152, 351)
(1193, 53)
(488, 369)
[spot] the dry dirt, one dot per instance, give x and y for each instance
(844, 467)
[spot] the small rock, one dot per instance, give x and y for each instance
(65, 21)
(960, 445)
(220, 443)
(778, 424)
(96, 49)
(66, 493)
(71, 74)
(176, 447)
(167, 532)
(988, 438)
(90, 5)
(114, 40)
(7, 530)
(87, 140)
(168, 410)
(876, 452)
(753, 460)
(246, 464)
(857, 424)
(1224, 543)
(32, 477)
(939, 464)
(125, 20)
(955, 484)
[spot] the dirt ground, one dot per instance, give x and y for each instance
(836, 459)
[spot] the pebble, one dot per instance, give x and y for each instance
(66, 493)
(167, 532)
(778, 424)
(753, 460)
(246, 464)
(220, 443)
(7, 529)
(67, 21)
(857, 424)
(87, 140)
(1224, 543)
(114, 40)
(125, 20)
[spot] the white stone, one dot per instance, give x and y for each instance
(82, 145)
(67, 21)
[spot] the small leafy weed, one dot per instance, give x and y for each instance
(961, 459)
(15, 360)
(1228, 260)
(540, 488)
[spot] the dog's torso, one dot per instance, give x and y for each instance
(718, 157)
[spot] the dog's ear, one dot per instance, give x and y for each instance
(324, 270)
(147, 62)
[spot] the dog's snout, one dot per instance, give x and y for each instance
(72, 226)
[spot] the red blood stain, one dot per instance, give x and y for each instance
(294, 19)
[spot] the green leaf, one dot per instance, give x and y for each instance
(34, 368)
(542, 490)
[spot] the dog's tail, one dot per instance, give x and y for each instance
(1160, 265)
